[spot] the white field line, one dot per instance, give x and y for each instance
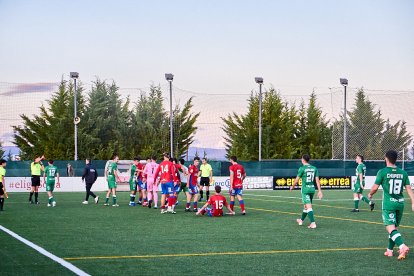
(42, 251)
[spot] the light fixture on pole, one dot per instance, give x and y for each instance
(169, 77)
(259, 80)
(344, 83)
(76, 119)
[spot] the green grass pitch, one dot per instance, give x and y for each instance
(141, 241)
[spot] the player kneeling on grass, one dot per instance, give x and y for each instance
(111, 174)
(217, 202)
(237, 175)
(49, 175)
(360, 183)
(310, 176)
(392, 180)
(3, 192)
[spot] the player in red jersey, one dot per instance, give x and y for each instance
(167, 170)
(141, 184)
(192, 185)
(237, 175)
(217, 201)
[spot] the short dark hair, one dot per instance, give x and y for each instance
(154, 157)
(306, 157)
(234, 158)
(217, 189)
(182, 161)
(392, 156)
(51, 161)
(171, 159)
(2, 161)
(196, 158)
(114, 156)
(166, 154)
(361, 156)
(89, 159)
(204, 158)
(137, 158)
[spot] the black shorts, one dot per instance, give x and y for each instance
(205, 181)
(35, 180)
(1, 189)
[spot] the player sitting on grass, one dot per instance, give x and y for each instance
(360, 183)
(192, 185)
(49, 175)
(393, 179)
(217, 202)
(111, 174)
(310, 176)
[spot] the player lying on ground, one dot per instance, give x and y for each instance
(217, 202)
(393, 179)
(310, 176)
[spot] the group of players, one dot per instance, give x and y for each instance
(174, 177)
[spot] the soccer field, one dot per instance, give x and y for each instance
(135, 240)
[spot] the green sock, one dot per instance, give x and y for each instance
(310, 214)
(50, 199)
(391, 243)
(304, 214)
(365, 199)
(396, 237)
(356, 202)
(114, 200)
(132, 198)
(107, 200)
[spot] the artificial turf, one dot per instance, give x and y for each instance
(141, 241)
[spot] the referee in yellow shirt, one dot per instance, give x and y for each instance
(36, 168)
(206, 173)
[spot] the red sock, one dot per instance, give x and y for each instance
(187, 206)
(242, 206)
(232, 206)
(171, 201)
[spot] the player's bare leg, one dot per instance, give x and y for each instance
(108, 193)
(241, 202)
(114, 204)
(310, 215)
(395, 238)
(162, 203)
(51, 201)
(195, 202)
(188, 203)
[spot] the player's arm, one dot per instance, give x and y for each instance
(231, 212)
(318, 184)
(211, 175)
(44, 176)
(360, 175)
(202, 208)
(294, 183)
(231, 179)
(157, 172)
(58, 178)
(411, 195)
(374, 189)
(117, 175)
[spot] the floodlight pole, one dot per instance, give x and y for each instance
(74, 76)
(169, 77)
(344, 83)
(259, 80)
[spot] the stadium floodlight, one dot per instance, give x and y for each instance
(344, 83)
(169, 77)
(76, 119)
(259, 80)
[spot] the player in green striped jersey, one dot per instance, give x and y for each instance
(49, 175)
(310, 176)
(360, 184)
(111, 174)
(393, 180)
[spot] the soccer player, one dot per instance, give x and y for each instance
(3, 164)
(237, 175)
(192, 185)
(49, 175)
(36, 168)
(133, 182)
(111, 175)
(177, 177)
(183, 178)
(141, 185)
(206, 173)
(167, 179)
(217, 202)
(152, 187)
(393, 179)
(89, 175)
(309, 175)
(360, 183)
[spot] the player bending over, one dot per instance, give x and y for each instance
(49, 175)
(237, 175)
(152, 187)
(393, 180)
(192, 185)
(310, 176)
(360, 183)
(111, 175)
(217, 202)
(166, 168)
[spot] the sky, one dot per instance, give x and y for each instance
(210, 46)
